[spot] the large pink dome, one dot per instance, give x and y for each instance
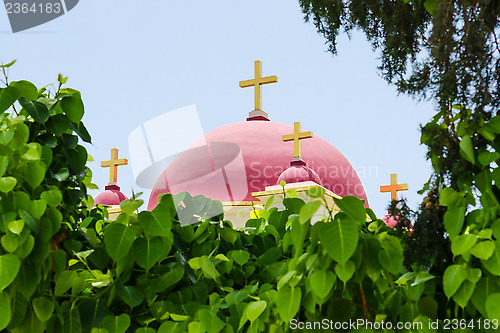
(235, 160)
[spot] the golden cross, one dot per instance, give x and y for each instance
(257, 83)
(296, 137)
(112, 165)
(394, 188)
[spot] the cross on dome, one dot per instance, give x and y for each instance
(296, 137)
(257, 83)
(113, 165)
(394, 188)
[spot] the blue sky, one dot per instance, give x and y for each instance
(134, 60)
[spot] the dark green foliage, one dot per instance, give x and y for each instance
(434, 48)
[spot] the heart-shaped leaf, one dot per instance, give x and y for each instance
(9, 267)
(346, 271)
(147, 252)
(340, 239)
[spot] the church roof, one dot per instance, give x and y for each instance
(235, 160)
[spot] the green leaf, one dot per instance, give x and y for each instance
(451, 198)
(7, 184)
(462, 244)
(57, 124)
(464, 294)
(131, 295)
(340, 239)
(33, 153)
(493, 263)
(43, 307)
(453, 278)
(62, 174)
(166, 280)
(486, 157)
(483, 250)
(10, 242)
(73, 107)
(33, 173)
(53, 198)
(211, 323)
(255, 309)
(9, 267)
(493, 306)
(4, 163)
(494, 124)
(466, 147)
(454, 220)
(208, 268)
(428, 306)
(145, 330)
(316, 192)
(288, 302)
(422, 277)
(308, 210)
(28, 279)
(77, 159)
(6, 136)
(118, 240)
(353, 207)
(118, 324)
(293, 204)
(81, 130)
(29, 220)
(430, 6)
(64, 282)
(92, 312)
(345, 271)
(147, 252)
(322, 282)
(229, 234)
(391, 260)
(130, 205)
(269, 202)
(154, 226)
(38, 111)
(8, 64)
(239, 256)
(16, 226)
(8, 96)
(173, 327)
(72, 322)
(19, 306)
(5, 310)
(26, 89)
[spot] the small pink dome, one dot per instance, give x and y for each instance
(298, 172)
(390, 221)
(110, 197)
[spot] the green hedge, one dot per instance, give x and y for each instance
(65, 267)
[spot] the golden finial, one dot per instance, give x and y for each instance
(257, 82)
(394, 188)
(296, 137)
(113, 164)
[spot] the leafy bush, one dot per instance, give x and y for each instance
(65, 267)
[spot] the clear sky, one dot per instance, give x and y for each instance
(134, 60)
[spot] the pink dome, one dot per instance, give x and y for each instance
(390, 221)
(298, 172)
(110, 197)
(235, 160)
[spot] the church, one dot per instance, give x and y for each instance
(245, 163)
